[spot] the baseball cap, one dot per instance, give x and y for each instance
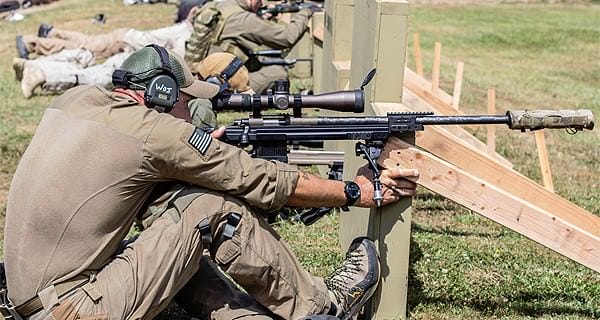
(214, 64)
(145, 63)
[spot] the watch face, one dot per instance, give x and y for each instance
(352, 191)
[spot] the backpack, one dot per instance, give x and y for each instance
(208, 26)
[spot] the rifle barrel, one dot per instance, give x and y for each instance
(447, 120)
(378, 120)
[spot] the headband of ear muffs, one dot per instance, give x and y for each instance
(161, 92)
(222, 79)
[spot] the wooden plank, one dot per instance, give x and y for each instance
(540, 142)
(491, 129)
(432, 99)
(411, 76)
(458, 85)
(412, 103)
(579, 243)
(435, 73)
(418, 57)
(318, 32)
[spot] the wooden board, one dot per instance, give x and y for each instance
(562, 233)
(412, 77)
(435, 70)
(458, 79)
(540, 142)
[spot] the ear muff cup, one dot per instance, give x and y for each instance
(162, 91)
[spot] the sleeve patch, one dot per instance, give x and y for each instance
(200, 140)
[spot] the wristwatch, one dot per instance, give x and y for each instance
(352, 192)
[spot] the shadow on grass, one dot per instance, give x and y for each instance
(452, 232)
(527, 304)
(415, 285)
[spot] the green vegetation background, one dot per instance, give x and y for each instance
(462, 266)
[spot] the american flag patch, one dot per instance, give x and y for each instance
(200, 140)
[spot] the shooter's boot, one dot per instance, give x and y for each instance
(22, 47)
(44, 29)
(355, 281)
(32, 78)
(18, 66)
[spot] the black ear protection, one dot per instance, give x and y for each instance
(162, 92)
(222, 79)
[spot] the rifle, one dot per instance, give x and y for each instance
(284, 7)
(272, 57)
(269, 136)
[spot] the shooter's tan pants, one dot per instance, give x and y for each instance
(141, 281)
(264, 78)
(102, 45)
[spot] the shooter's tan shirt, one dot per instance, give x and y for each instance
(92, 162)
(248, 31)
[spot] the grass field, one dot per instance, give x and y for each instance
(462, 266)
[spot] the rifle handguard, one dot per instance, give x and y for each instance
(552, 119)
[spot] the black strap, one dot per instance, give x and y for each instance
(119, 78)
(164, 57)
(233, 219)
(206, 233)
(232, 68)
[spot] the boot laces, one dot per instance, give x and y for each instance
(343, 278)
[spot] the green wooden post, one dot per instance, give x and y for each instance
(318, 20)
(379, 41)
(302, 49)
(337, 45)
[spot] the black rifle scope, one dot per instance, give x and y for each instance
(280, 98)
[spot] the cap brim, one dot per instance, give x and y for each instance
(201, 89)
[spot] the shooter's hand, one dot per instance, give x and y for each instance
(396, 183)
(218, 133)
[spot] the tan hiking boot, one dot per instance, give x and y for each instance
(18, 66)
(355, 281)
(32, 78)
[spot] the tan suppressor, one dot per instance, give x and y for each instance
(551, 119)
